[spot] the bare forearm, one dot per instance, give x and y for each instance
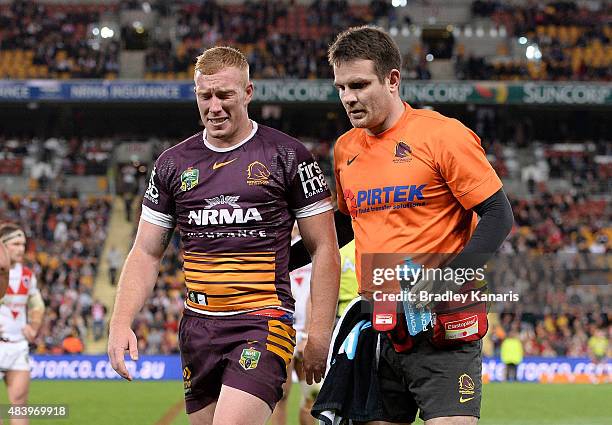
(36, 318)
(325, 283)
(135, 285)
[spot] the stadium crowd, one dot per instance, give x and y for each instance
(53, 41)
(567, 334)
(281, 40)
(290, 42)
(65, 240)
(573, 40)
(286, 40)
(47, 159)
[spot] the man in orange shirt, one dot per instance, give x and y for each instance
(413, 181)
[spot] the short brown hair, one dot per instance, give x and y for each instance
(7, 228)
(215, 59)
(369, 43)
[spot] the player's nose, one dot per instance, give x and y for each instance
(349, 98)
(215, 104)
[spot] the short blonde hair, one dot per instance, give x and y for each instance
(217, 58)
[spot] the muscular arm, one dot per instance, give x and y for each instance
(299, 255)
(320, 240)
(36, 311)
(140, 271)
(136, 283)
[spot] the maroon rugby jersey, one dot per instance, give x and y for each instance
(235, 208)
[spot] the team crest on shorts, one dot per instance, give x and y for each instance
(466, 388)
(249, 358)
(187, 380)
(189, 178)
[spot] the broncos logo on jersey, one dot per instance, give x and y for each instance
(257, 173)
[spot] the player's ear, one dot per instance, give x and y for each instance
(249, 92)
(394, 80)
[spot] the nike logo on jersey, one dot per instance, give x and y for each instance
(350, 161)
(463, 400)
(221, 164)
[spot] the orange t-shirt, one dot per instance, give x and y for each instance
(411, 188)
(73, 345)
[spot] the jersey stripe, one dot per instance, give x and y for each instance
(229, 254)
(252, 302)
(232, 289)
(243, 267)
(200, 284)
(230, 276)
(278, 341)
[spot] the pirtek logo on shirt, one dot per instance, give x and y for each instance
(385, 195)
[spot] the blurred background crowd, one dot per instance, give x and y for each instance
(282, 39)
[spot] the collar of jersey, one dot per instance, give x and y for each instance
(231, 148)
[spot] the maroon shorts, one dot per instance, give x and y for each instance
(247, 352)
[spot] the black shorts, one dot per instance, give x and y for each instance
(246, 352)
(439, 382)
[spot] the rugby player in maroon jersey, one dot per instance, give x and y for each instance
(234, 192)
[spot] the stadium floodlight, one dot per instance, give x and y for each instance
(429, 57)
(95, 31)
(533, 52)
(538, 53)
(106, 32)
(522, 40)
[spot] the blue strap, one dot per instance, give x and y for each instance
(349, 346)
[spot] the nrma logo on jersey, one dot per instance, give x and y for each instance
(384, 198)
(236, 215)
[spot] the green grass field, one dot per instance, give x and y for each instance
(146, 403)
